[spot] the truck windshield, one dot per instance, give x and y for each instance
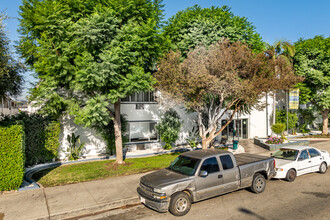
(184, 165)
(287, 154)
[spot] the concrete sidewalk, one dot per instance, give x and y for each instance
(62, 202)
(87, 198)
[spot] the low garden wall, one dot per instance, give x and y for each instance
(261, 142)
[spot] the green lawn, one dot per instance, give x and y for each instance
(79, 172)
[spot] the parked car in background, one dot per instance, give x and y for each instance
(202, 174)
(294, 161)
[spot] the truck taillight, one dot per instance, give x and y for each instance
(274, 163)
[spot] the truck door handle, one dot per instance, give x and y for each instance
(309, 161)
(220, 176)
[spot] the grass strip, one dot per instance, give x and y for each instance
(86, 171)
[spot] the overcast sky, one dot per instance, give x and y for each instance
(274, 19)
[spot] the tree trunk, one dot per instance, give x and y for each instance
(118, 139)
(325, 115)
(206, 142)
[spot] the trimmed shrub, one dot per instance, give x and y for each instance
(278, 128)
(41, 137)
(11, 157)
(169, 127)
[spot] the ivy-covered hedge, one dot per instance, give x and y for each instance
(42, 140)
(41, 137)
(11, 157)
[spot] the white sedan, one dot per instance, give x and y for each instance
(294, 161)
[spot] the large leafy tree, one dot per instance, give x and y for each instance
(11, 78)
(90, 53)
(224, 79)
(312, 60)
(196, 26)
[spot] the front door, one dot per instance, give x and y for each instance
(210, 185)
(304, 163)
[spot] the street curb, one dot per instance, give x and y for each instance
(95, 209)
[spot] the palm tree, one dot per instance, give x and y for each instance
(283, 49)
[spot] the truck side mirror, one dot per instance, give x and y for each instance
(203, 173)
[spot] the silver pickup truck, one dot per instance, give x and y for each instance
(201, 174)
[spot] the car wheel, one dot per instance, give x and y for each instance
(180, 204)
(291, 175)
(323, 168)
(258, 183)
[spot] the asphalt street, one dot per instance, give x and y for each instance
(308, 197)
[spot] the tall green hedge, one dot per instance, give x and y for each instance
(42, 140)
(11, 157)
(41, 137)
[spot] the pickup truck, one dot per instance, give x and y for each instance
(202, 174)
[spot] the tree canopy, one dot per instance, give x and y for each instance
(220, 80)
(196, 26)
(11, 78)
(90, 53)
(312, 61)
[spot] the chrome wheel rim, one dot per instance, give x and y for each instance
(181, 204)
(259, 184)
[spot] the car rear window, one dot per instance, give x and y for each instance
(313, 153)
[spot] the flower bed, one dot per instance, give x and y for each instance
(275, 140)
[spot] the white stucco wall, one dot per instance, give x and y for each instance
(94, 144)
(258, 118)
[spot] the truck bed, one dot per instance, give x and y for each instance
(245, 158)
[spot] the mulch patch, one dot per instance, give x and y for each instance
(113, 166)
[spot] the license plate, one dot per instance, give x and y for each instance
(143, 200)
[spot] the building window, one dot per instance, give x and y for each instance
(139, 106)
(144, 97)
(142, 131)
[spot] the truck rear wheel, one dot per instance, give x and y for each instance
(180, 204)
(258, 183)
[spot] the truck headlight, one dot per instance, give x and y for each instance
(159, 196)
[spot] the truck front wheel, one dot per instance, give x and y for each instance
(258, 183)
(180, 204)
